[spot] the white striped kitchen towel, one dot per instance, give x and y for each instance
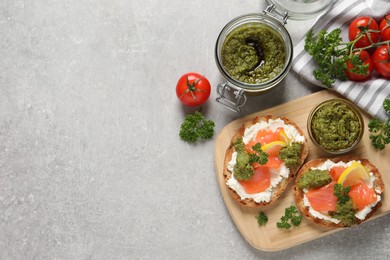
(368, 95)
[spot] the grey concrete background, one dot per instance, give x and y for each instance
(91, 165)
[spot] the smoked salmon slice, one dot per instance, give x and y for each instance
(362, 195)
(273, 163)
(259, 182)
(336, 171)
(267, 136)
(323, 199)
(261, 178)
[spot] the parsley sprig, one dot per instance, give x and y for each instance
(331, 54)
(259, 155)
(326, 52)
(380, 130)
(291, 217)
(262, 219)
(341, 193)
(196, 126)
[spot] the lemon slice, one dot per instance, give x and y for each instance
(284, 136)
(353, 174)
(273, 145)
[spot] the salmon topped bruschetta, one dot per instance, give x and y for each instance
(338, 192)
(262, 158)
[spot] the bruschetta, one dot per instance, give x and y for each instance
(338, 192)
(252, 180)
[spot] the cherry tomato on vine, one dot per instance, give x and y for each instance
(384, 26)
(193, 89)
(366, 28)
(365, 57)
(381, 60)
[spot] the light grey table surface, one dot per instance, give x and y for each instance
(91, 165)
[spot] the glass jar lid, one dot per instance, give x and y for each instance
(302, 9)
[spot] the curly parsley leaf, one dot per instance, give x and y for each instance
(324, 48)
(262, 219)
(257, 148)
(196, 126)
(380, 130)
(291, 217)
(386, 106)
(341, 193)
(259, 155)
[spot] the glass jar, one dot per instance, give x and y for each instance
(335, 125)
(232, 93)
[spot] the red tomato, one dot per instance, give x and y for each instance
(366, 28)
(193, 89)
(381, 61)
(384, 26)
(365, 57)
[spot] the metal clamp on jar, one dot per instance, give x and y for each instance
(254, 53)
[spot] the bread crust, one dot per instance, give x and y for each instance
(299, 194)
(281, 187)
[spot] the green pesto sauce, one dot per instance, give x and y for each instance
(249, 45)
(243, 169)
(314, 179)
(291, 154)
(345, 213)
(335, 126)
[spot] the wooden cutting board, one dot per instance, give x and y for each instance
(268, 237)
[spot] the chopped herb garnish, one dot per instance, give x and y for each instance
(291, 217)
(380, 130)
(341, 193)
(262, 219)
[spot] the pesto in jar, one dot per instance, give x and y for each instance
(335, 126)
(253, 53)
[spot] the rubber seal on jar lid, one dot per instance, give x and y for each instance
(302, 9)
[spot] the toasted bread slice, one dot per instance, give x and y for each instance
(281, 187)
(299, 193)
